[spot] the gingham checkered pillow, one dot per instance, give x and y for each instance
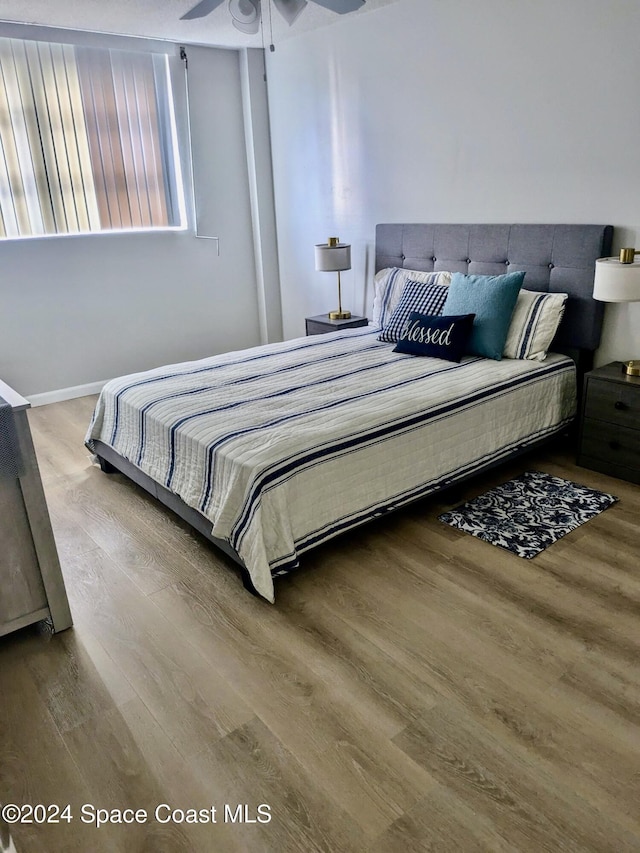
(389, 284)
(425, 298)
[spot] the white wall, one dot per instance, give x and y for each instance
(454, 111)
(76, 310)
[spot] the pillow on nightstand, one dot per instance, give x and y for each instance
(492, 299)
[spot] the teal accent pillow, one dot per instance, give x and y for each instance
(492, 299)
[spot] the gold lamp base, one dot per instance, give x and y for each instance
(631, 368)
(339, 315)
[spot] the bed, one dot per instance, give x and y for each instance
(271, 451)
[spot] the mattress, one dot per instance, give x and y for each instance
(286, 445)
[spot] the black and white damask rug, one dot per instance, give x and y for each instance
(529, 513)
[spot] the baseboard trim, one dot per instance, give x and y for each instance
(66, 393)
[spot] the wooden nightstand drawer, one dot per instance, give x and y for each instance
(611, 443)
(613, 402)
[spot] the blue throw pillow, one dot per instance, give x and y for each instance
(492, 299)
(438, 337)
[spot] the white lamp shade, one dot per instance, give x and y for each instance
(616, 282)
(333, 258)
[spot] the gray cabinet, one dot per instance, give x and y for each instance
(610, 423)
(31, 583)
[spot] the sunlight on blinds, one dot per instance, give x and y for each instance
(85, 141)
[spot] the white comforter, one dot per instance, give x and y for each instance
(286, 445)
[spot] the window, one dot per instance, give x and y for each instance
(87, 140)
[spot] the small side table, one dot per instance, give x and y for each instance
(610, 423)
(322, 323)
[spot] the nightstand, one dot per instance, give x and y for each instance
(610, 423)
(322, 323)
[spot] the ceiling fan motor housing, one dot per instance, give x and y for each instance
(246, 13)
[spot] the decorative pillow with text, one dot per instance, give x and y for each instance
(441, 336)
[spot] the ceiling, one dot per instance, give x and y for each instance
(161, 19)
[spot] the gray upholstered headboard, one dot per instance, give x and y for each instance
(556, 258)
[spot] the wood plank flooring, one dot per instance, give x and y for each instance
(413, 688)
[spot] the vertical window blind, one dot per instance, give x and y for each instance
(87, 140)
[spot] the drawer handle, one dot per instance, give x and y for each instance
(620, 406)
(614, 445)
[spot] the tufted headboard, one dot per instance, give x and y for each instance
(555, 258)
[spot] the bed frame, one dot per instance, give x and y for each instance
(556, 258)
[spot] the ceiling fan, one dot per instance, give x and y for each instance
(246, 13)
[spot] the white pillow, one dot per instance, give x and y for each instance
(534, 322)
(388, 285)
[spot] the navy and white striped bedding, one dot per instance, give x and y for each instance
(285, 445)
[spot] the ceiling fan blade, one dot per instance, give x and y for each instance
(289, 9)
(342, 7)
(246, 15)
(204, 7)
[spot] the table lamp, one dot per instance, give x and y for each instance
(618, 280)
(334, 256)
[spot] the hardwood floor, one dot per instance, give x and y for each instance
(413, 688)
